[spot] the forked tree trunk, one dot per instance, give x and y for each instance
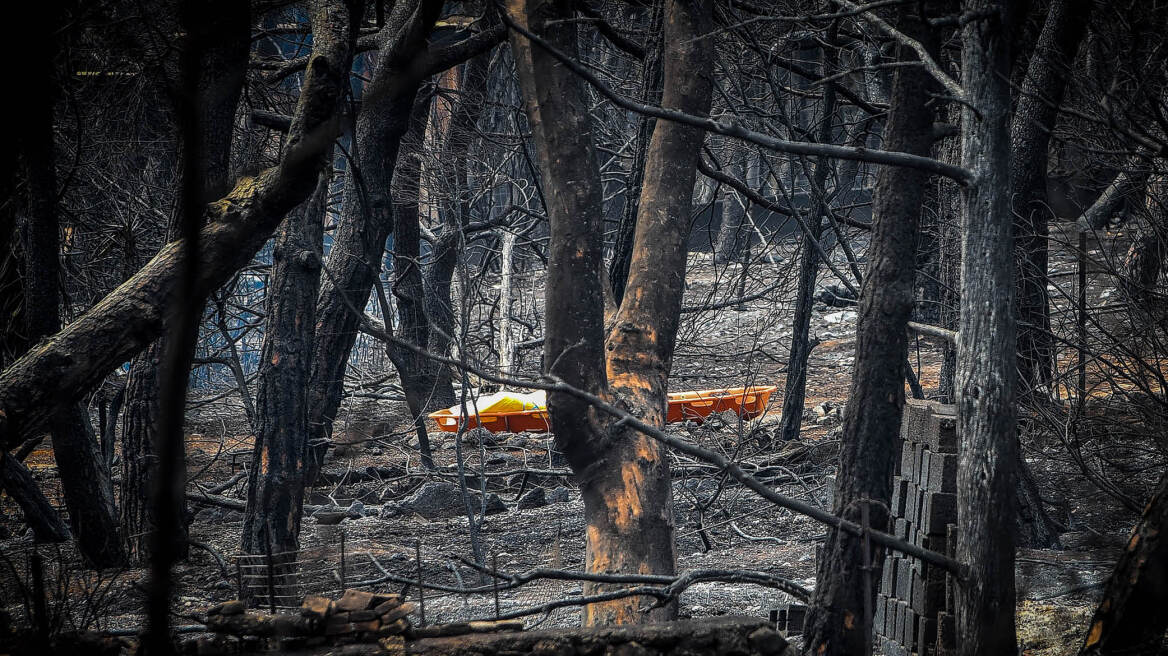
(624, 476)
(987, 373)
(630, 527)
(275, 486)
(366, 215)
(840, 621)
(1032, 125)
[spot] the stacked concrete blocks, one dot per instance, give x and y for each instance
(924, 506)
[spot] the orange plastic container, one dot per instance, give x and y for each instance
(746, 402)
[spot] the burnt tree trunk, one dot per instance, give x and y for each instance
(39, 514)
(630, 517)
(734, 230)
(275, 486)
(624, 476)
(840, 621)
(366, 215)
(417, 372)
(1133, 614)
(795, 386)
(650, 92)
(222, 67)
(987, 372)
(1033, 123)
(13, 340)
(439, 273)
(85, 481)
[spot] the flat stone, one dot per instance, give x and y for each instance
(439, 500)
(395, 614)
(535, 498)
(316, 605)
(233, 607)
(330, 517)
(354, 600)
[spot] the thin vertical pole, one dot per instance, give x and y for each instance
(40, 607)
(867, 564)
(1082, 320)
(271, 574)
(495, 580)
(342, 560)
(239, 579)
(421, 590)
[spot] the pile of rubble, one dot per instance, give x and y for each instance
(379, 620)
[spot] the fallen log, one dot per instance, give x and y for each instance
(707, 635)
(216, 500)
(39, 514)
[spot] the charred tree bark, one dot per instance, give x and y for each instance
(417, 372)
(623, 475)
(439, 272)
(367, 214)
(218, 84)
(987, 372)
(1033, 122)
(275, 487)
(39, 514)
(840, 622)
(630, 519)
(13, 341)
(84, 478)
(561, 128)
(1133, 614)
(651, 81)
(795, 386)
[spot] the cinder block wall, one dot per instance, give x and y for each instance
(911, 605)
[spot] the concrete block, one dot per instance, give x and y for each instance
(888, 575)
(943, 472)
(942, 430)
(908, 462)
(928, 596)
(926, 636)
(904, 582)
(898, 623)
(899, 495)
(940, 512)
(878, 614)
(946, 631)
(914, 424)
(909, 636)
(923, 474)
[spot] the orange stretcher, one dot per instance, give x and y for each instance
(746, 402)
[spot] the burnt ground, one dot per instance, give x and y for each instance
(736, 530)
